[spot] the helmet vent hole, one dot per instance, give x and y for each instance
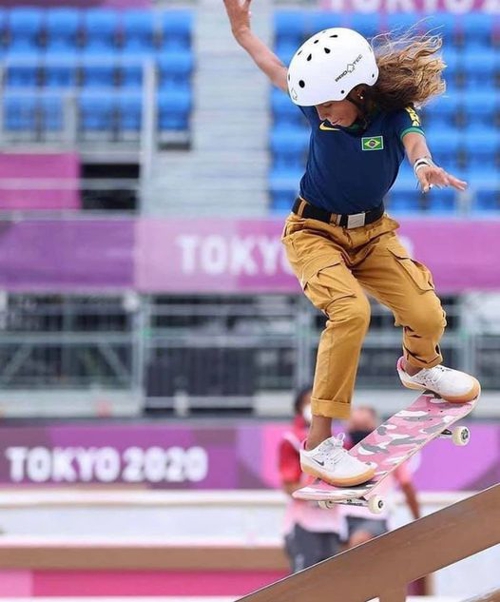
(302, 83)
(315, 41)
(327, 50)
(335, 35)
(342, 91)
(309, 57)
(299, 52)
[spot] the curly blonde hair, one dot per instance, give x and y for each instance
(410, 70)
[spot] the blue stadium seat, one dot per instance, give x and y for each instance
(477, 29)
(175, 70)
(447, 146)
(97, 111)
(481, 67)
(174, 110)
(3, 28)
(176, 28)
(129, 112)
(285, 51)
(480, 108)
(447, 25)
(284, 112)
(60, 68)
(367, 24)
(454, 63)
(288, 148)
(487, 200)
(20, 112)
(320, 20)
(97, 72)
(138, 29)
(100, 30)
(23, 70)
(53, 112)
(283, 188)
(482, 147)
(441, 201)
(400, 22)
(404, 201)
(281, 205)
(31, 114)
(62, 28)
(484, 183)
(25, 28)
(290, 28)
(131, 66)
(442, 112)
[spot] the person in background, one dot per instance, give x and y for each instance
(362, 525)
(311, 534)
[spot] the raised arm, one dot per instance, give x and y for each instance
(239, 17)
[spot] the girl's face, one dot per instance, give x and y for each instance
(338, 112)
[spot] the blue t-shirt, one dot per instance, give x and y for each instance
(350, 170)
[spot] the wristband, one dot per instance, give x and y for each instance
(422, 162)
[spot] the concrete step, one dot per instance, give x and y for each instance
(246, 165)
(210, 185)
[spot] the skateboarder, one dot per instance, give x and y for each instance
(311, 534)
(360, 104)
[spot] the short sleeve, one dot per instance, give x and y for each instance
(288, 463)
(407, 120)
(310, 114)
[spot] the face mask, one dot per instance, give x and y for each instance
(356, 436)
(307, 414)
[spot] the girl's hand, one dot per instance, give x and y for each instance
(239, 16)
(432, 175)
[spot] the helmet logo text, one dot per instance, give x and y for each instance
(350, 67)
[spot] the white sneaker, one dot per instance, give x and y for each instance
(451, 385)
(331, 463)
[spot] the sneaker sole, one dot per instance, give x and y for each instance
(474, 393)
(340, 482)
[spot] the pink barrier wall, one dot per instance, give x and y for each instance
(80, 3)
(31, 192)
(24, 583)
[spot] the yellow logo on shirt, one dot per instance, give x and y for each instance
(415, 119)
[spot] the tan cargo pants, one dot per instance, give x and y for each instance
(335, 266)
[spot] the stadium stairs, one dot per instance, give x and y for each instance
(225, 172)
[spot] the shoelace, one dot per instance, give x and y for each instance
(336, 444)
(433, 376)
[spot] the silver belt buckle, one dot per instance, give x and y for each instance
(356, 220)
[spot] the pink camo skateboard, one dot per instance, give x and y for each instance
(392, 443)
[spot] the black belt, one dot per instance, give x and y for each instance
(304, 209)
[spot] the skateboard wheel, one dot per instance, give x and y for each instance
(326, 504)
(461, 435)
(376, 504)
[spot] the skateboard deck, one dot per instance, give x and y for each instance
(395, 441)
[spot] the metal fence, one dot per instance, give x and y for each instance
(203, 353)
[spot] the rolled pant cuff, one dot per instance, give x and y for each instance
(413, 361)
(339, 410)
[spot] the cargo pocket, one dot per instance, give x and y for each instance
(323, 282)
(419, 274)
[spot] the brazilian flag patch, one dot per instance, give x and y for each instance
(373, 143)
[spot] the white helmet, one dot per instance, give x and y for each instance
(329, 65)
